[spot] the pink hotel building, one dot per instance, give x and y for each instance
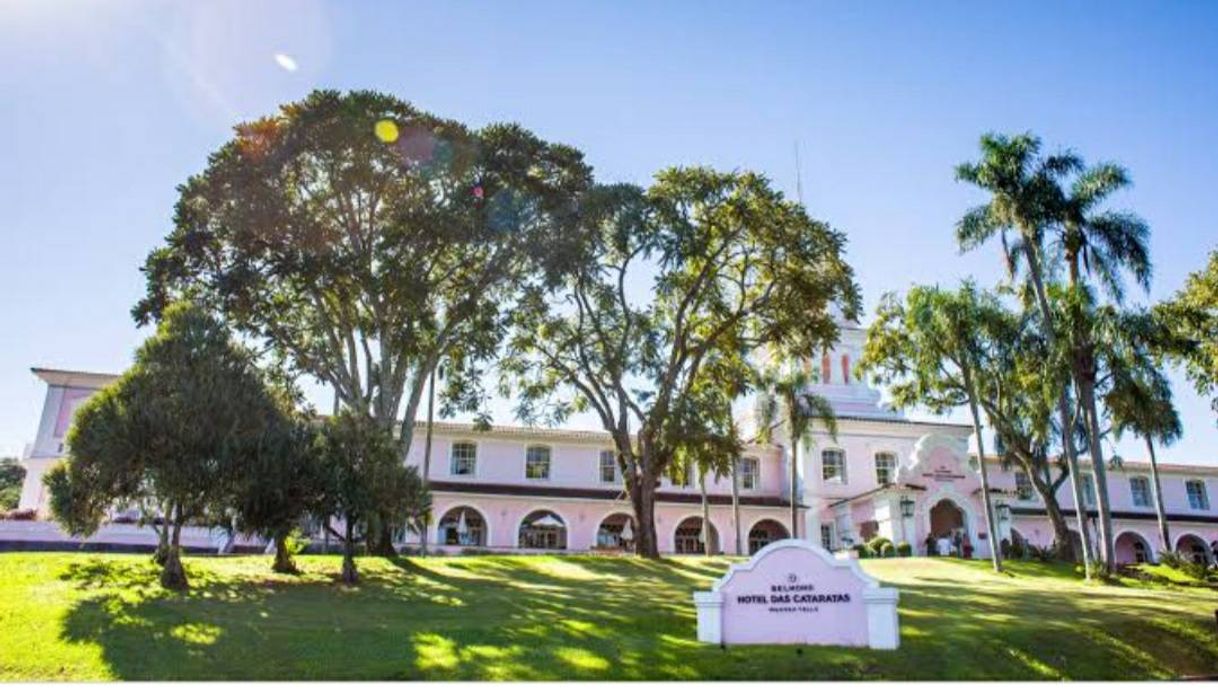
(524, 489)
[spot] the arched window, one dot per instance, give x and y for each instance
(885, 467)
(608, 467)
(462, 526)
(463, 458)
(1139, 490)
(826, 373)
(537, 463)
(765, 532)
(543, 529)
(833, 465)
(845, 369)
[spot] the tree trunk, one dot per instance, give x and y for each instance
(283, 559)
(1032, 251)
(736, 503)
(706, 525)
(1107, 545)
(1061, 530)
(795, 447)
(382, 546)
(162, 542)
(173, 574)
(431, 411)
(642, 498)
(991, 527)
(1076, 485)
(350, 576)
(1154, 480)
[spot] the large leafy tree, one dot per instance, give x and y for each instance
(168, 435)
(363, 241)
(1192, 317)
(1018, 402)
(725, 265)
(1026, 199)
(934, 349)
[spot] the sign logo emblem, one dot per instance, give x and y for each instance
(792, 578)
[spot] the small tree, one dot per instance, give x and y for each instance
(11, 477)
(362, 472)
(167, 435)
(278, 485)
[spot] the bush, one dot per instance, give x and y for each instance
(904, 549)
(862, 550)
(1195, 570)
(876, 543)
(20, 515)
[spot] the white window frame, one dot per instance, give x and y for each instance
(1133, 491)
(452, 459)
(1025, 492)
(528, 451)
(601, 468)
(1203, 500)
(840, 478)
(750, 481)
(892, 468)
(1087, 482)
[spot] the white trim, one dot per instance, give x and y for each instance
(566, 525)
(1150, 548)
(549, 463)
(682, 520)
(486, 522)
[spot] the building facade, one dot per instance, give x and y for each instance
(524, 489)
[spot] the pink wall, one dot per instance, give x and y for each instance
(504, 514)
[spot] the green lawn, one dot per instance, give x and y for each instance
(70, 616)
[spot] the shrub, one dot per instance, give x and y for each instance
(862, 550)
(904, 549)
(887, 550)
(21, 515)
(876, 543)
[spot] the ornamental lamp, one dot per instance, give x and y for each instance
(907, 507)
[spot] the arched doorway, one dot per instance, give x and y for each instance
(1193, 549)
(616, 531)
(765, 532)
(544, 530)
(462, 526)
(688, 539)
(1131, 548)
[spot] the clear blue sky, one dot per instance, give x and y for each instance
(106, 107)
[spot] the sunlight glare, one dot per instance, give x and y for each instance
(286, 62)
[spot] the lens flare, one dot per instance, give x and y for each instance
(386, 130)
(286, 62)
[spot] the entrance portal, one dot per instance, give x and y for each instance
(947, 521)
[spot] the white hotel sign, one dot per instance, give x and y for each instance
(795, 592)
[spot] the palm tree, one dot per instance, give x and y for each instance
(1105, 245)
(791, 404)
(1139, 400)
(1025, 198)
